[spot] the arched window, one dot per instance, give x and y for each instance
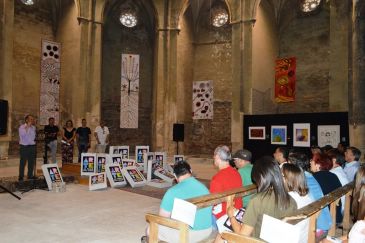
(128, 19)
(309, 5)
(219, 17)
(28, 2)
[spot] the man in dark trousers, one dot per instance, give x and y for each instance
(51, 132)
(83, 138)
(27, 134)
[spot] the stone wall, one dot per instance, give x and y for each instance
(30, 26)
(307, 39)
(68, 34)
(185, 67)
(118, 40)
(211, 61)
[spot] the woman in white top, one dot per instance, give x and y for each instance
(296, 184)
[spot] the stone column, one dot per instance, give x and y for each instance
(165, 86)
(242, 22)
(339, 55)
(6, 66)
(357, 85)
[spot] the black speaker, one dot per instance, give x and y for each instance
(178, 132)
(3, 116)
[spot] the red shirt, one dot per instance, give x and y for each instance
(226, 179)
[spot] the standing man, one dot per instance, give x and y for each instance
(102, 137)
(352, 156)
(242, 159)
(27, 133)
(83, 138)
(51, 132)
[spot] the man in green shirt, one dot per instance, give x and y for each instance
(242, 159)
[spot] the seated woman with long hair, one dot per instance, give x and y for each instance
(271, 199)
(296, 185)
(358, 202)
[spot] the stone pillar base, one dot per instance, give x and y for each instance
(4, 150)
(357, 138)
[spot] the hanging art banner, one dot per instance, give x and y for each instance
(285, 80)
(50, 81)
(203, 99)
(129, 91)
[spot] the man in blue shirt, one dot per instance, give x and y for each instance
(187, 187)
(27, 134)
(352, 156)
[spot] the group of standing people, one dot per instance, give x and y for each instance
(69, 135)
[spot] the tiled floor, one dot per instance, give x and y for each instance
(78, 215)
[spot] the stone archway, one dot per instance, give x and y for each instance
(118, 39)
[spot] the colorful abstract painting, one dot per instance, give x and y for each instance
(278, 135)
(301, 134)
(129, 91)
(285, 79)
(203, 100)
(50, 82)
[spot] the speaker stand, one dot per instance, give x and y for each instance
(45, 157)
(177, 147)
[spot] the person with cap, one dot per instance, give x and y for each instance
(242, 159)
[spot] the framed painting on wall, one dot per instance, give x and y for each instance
(328, 135)
(278, 135)
(256, 133)
(301, 134)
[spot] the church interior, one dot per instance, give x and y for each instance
(181, 77)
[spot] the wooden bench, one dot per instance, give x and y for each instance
(311, 211)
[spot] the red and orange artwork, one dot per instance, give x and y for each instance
(285, 79)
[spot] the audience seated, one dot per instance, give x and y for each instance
(242, 160)
(271, 199)
(187, 187)
(338, 161)
(324, 220)
(226, 179)
(320, 166)
(281, 155)
(296, 185)
(352, 156)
